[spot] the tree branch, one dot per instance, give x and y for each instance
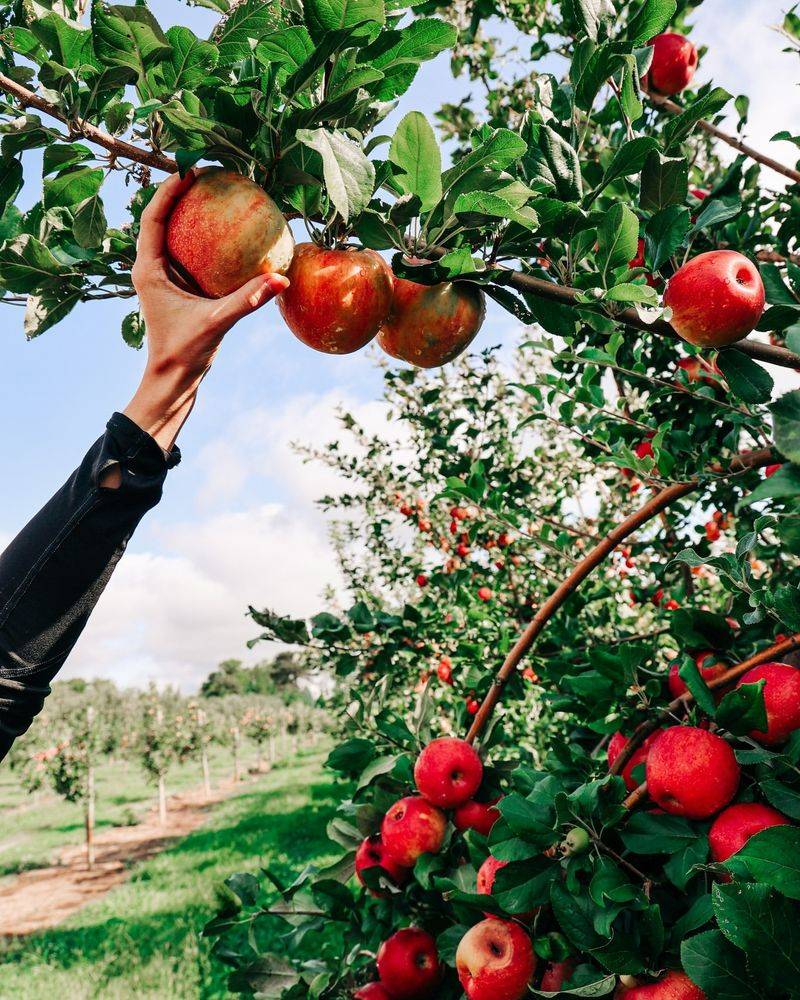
(731, 140)
(653, 507)
(649, 726)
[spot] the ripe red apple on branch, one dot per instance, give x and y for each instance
(675, 60)
(781, 700)
(691, 772)
(411, 828)
(708, 671)
(372, 991)
(495, 961)
(478, 816)
(673, 986)
(735, 825)
(408, 965)
(226, 230)
(373, 854)
(448, 772)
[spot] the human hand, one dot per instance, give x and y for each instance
(184, 331)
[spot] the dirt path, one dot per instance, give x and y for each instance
(42, 898)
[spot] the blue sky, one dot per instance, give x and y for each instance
(237, 523)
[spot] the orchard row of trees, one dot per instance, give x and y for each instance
(87, 725)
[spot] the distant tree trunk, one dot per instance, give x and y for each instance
(90, 855)
(206, 772)
(162, 800)
(237, 774)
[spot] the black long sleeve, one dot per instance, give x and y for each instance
(53, 573)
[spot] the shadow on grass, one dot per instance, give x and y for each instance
(254, 834)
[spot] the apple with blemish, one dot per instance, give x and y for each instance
(337, 299)
(716, 298)
(411, 828)
(226, 230)
(408, 965)
(430, 325)
(495, 961)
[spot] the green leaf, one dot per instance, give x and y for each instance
(190, 62)
(747, 380)
(133, 330)
(89, 225)
(588, 14)
(60, 155)
(652, 17)
(628, 159)
(681, 126)
(68, 43)
(72, 187)
(690, 674)
(630, 292)
(289, 47)
(247, 25)
(398, 54)
(781, 796)
(476, 207)
(764, 925)
(48, 307)
(772, 857)
(649, 833)
(26, 264)
(786, 415)
(742, 710)
(129, 37)
(415, 152)
(664, 233)
(665, 182)
(618, 237)
(718, 968)
(500, 150)
(332, 15)
(716, 211)
(601, 64)
(11, 180)
(349, 175)
(785, 483)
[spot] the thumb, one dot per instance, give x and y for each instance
(256, 293)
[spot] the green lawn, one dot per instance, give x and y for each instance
(142, 939)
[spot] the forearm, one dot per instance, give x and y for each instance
(53, 573)
(163, 402)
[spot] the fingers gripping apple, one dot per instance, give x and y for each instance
(226, 230)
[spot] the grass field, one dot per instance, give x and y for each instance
(142, 939)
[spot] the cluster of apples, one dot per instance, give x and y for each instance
(226, 230)
(495, 959)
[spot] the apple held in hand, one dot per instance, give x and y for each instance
(691, 772)
(495, 961)
(411, 828)
(337, 299)
(734, 826)
(373, 854)
(429, 325)
(674, 63)
(781, 700)
(716, 298)
(448, 772)
(408, 965)
(674, 986)
(226, 230)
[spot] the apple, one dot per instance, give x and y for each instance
(708, 671)
(429, 325)
(373, 854)
(735, 825)
(337, 299)
(486, 875)
(485, 593)
(372, 991)
(700, 193)
(691, 772)
(781, 699)
(674, 63)
(448, 772)
(617, 744)
(638, 261)
(716, 298)
(473, 706)
(422, 580)
(226, 230)
(408, 965)
(411, 828)
(556, 974)
(673, 986)
(495, 961)
(770, 470)
(478, 816)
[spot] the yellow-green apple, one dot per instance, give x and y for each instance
(372, 991)
(226, 230)
(716, 298)
(373, 854)
(478, 816)
(781, 700)
(735, 825)
(408, 965)
(495, 961)
(674, 63)
(411, 828)
(617, 745)
(673, 986)
(430, 325)
(448, 772)
(691, 772)
(337, 299)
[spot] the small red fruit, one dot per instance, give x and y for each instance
(781, 699)
(422, 580)
(408, 965)
(674, 63)
(473, 706)
(691, 772)
(770, 470)
(734, 826)
(716, 298)
(448, 772)
(485, 593)
(337, 299)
